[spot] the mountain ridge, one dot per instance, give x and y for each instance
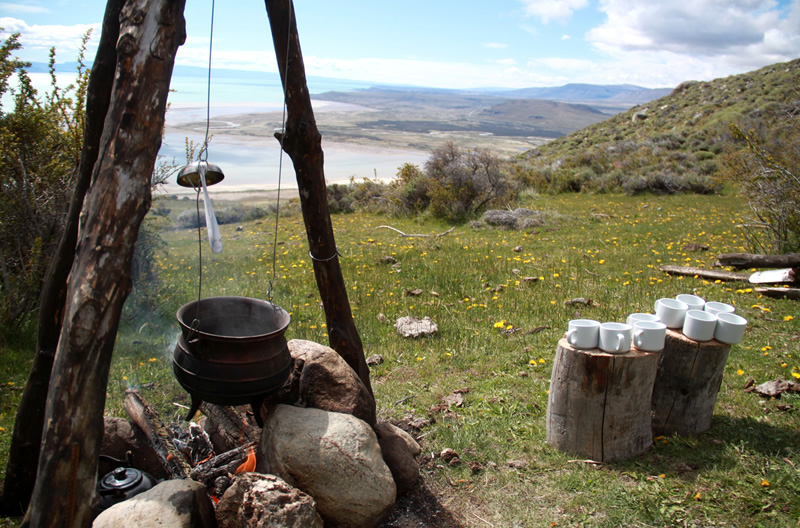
(572, 92)
(681, 136)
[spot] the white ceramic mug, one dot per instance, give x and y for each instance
(583, 333)
(632, 318)
(730, 328)
(699, 325)
(671, 312)
(615, 337)
(692, 301)
(649, 335)
(718, 307)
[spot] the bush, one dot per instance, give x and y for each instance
(231, 214)
(411, 190)
(520, 218)
(40, 145)
(340, 199)
(765, 165)
(463, 183)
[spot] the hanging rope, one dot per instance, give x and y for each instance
(203, 155)
(280, 160)
(203, 158)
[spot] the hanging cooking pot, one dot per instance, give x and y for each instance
(122, 484)
(231, 351)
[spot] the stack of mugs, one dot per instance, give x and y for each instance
(697, 319)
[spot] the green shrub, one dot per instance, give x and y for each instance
(411, 190)
(765, 166)
(231, 214)
(40, 145)
(465, 182)
(339, 199)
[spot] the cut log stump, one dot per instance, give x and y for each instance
(599, 403)
(687, 382)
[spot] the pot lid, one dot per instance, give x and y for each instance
(189, 176)
(121, 479)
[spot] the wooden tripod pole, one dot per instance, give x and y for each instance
(303, 143)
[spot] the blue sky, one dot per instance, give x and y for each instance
(464, 43)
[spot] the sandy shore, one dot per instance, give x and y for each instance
(232, 195)
(242, 144)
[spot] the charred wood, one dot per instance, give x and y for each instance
(148, 420)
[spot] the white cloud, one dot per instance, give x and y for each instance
(727, 33)
(26, 9)
(548, 10)
(251, 60)
(38, 39)
(565, 37)
(496, 45)
(507, 62)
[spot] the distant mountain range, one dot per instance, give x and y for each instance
(618, 93)
(624, 95)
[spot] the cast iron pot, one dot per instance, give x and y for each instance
(231, 351)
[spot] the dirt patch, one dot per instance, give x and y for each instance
(422, 507)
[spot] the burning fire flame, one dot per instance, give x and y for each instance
(249, 465)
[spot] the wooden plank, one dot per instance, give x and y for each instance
(750, 260)
(691, 271)
(780, 293)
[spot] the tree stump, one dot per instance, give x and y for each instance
(599, 403)
(686, 386)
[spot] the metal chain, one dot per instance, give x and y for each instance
(280, 162)
(203, 158)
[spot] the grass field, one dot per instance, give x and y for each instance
(496, 342)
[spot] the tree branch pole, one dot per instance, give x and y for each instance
(119, 197)
(749, 260)
(27, 437)
(691, 271)
(302, 142)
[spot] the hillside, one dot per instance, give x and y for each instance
(679, 136)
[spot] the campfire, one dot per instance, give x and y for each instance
(234, 460)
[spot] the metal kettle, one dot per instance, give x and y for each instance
(121, 484)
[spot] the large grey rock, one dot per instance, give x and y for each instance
(173, 503)
(385, 429)
(265, 501)
(399, 450)
(325, 381)
(333, 457)
(402, 464)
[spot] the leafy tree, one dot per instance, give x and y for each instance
(40, 145)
